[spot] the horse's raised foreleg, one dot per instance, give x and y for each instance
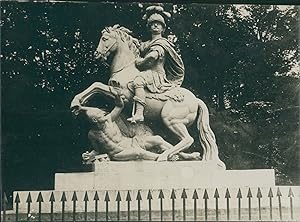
(95, 88)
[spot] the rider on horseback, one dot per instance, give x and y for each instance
(160, 65)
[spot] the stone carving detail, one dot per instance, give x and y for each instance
(147, 76)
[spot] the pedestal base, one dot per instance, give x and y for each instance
(136, 175)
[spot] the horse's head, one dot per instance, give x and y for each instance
(113, 38)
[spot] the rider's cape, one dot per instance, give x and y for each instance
(174, 66)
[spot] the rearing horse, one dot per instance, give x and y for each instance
(176, 114)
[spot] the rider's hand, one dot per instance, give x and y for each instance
(139, 61)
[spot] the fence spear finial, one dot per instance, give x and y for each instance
(291, 194)
(85, 198)
(17, 199)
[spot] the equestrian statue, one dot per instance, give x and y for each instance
(149, 75)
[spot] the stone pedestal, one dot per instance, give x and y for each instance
(137, 175)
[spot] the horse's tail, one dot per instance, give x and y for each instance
(206, 136)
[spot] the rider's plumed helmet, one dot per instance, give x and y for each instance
(156, 18)
(156, 13)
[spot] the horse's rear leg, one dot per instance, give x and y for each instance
(151, 141)
(185, 140)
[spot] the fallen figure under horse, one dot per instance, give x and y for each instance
(106, 136)
(178, 108)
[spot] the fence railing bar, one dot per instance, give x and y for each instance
(259, 196)
(205, 197)
(239, 196)
(96, 199)
(217, 196)
(291, 195)
(85, 199)
(173, 197)
(195, 197)
(149, 198)
(249, 196)
(270, 195)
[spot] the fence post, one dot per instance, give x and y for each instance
(205, 197)
(291, 195)
(259, 196)
(183, 196)
(239, 196)
(51, 200)
(28, 201)
(279, 202)
(40, 201)
(249, 196)
(85, 199)
(17, 201)
(106, 199)
(128, 199)
(63, 200)
(270, 195)
(139, 198)
(161, 197)
(227, 196)
(195, 197)
(96, 199)
(118, 199)
(4, 204)
(173, 197)
(74, 199)
(217, 196)
(149, 198)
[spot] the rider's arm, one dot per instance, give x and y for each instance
(154, 54)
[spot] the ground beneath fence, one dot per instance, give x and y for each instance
(166, 216)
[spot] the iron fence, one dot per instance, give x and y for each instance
(172, 206)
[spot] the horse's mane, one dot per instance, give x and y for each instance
(125, 36)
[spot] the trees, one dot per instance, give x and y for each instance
(241, 60)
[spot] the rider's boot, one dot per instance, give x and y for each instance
(139, 100)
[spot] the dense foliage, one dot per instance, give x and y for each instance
(241, 60)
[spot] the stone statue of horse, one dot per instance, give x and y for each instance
(177, 108)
